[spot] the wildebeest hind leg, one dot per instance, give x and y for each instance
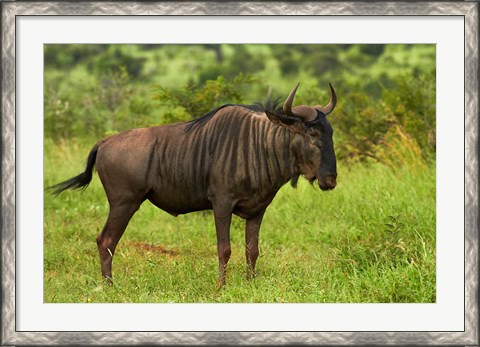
(223, 217)
(252, 230)
(107, 240)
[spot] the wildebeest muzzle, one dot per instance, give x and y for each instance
(327, 181)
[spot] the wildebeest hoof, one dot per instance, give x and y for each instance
(220, 285)
(108, 281)
(251, 275)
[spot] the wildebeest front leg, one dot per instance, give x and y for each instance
(251, 243)
(223, 219)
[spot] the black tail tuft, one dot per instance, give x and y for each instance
(80, 181)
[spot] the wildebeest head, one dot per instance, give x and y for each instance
(312, 143)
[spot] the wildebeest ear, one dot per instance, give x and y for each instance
(280, 119)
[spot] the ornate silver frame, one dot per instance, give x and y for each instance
(11, 9)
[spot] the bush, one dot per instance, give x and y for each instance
(195, 100)
(412, 104)
(89, 105)
(364, 124)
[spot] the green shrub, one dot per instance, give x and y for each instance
(412, 103)
(196, 100)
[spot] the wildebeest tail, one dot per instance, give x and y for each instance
(80, 181)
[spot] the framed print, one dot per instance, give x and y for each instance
(383, 248)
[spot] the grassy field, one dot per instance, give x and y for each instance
(372, 239)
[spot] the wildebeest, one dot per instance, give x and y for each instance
(232, 160)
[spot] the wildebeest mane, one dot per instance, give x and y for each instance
(270, 105)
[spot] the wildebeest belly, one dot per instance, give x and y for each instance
(178, 201)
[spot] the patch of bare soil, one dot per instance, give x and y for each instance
(148, 247)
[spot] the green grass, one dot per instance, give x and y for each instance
(372, 239)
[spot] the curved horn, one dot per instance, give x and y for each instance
(331, 104)
(287, 106)
(304, 112)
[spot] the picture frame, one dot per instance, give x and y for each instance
(12, 10)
